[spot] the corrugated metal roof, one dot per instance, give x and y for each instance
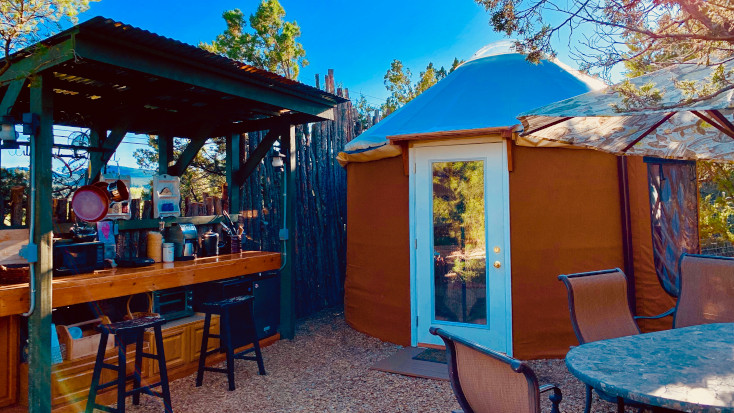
(124, 32)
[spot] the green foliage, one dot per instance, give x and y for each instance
(205, 174)
(8, 179)
(365, 111)
(270, 45)
(643, 35)
(398, 81)
(24, 22)
(716, 204)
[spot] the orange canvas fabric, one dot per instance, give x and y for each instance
(650, 297)
(377, 284)
(564, 218)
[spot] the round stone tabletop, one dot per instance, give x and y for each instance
(690, 369)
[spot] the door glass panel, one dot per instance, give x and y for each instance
(459, 251)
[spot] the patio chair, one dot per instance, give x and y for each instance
(706, 286)
(487, 381)
(600, 310)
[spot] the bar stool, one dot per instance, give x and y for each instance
(128, 332)
(236, 329)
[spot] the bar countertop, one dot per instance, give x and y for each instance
(119, 282)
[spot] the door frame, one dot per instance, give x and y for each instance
(506, 220)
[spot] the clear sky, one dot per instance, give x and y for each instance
(358, 39)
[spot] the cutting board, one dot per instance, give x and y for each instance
(10, 242)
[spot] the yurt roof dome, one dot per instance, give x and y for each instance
(488, 90)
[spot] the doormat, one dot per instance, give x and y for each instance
(432, 355)
(403, 362)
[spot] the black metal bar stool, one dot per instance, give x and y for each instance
(236, 329)
(128, 332)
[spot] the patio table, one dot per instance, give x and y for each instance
(688, 369)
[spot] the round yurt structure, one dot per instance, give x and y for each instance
(549, 210)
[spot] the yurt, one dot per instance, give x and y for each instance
(456, 220)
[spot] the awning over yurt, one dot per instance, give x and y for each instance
(487, 91)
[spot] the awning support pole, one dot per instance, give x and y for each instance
(287, 275)
(39, 323)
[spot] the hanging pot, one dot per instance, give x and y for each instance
(90, 203)
(118, 191)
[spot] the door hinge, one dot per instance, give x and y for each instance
(415, 246)
(414, 168)
(416, 321)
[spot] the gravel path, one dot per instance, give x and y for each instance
(326, 369)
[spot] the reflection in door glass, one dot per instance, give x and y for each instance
(459, 250)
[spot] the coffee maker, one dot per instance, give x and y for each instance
(185, 240)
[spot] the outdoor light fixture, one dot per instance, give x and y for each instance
(7, 129)
(277, 159)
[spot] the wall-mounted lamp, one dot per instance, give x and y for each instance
(277, 159)
(7, 129)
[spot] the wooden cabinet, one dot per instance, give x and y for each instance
(71, 379)
(198, 333)
(9, 355)
(176, 344)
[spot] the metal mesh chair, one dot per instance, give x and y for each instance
(600, 310)
(706, 286)
(486, 381)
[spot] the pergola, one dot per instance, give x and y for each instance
(115, 79)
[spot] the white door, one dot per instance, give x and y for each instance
(461, 276)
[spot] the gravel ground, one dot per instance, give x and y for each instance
(326, 369)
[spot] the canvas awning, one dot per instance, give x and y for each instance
(700, 130)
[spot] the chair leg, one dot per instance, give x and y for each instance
(255, 341)
(165, 391)
(202, 354)
(258, 353)
(589, 397)
(230, 367)
(91, 398)
(138, 367)
(121, 373)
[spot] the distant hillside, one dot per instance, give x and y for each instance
(139, 177)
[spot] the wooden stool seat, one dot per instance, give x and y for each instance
(129, 332)
(236, 329)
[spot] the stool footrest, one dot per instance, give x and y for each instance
(150, 356)
(146, 390)
(110, 366)
(215, 369)
(104, 408)
(210, 352)
(114, 382)
(214, 336)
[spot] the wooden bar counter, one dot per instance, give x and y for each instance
(182, 338)
(119, 282)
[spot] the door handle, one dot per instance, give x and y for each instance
(497, 264)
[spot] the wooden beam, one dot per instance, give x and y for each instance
(110, 145)
(40, 59)
(287, 275)
(95, 158)
(186, 157)
(233, 166)
(155, 62)
(165, 153)
(11, 95)
(257, 155)
(39, 323)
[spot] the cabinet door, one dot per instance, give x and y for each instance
(9, 360)
(176, 342)
(198, 333)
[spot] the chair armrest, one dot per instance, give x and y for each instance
(655, 317)
(555, 397)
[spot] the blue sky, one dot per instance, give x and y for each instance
(357, 39)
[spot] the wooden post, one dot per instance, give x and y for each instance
(39, 323)
(165, 153)
(16, 205)
(287, 276)
(96, 137)
(234, 163)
